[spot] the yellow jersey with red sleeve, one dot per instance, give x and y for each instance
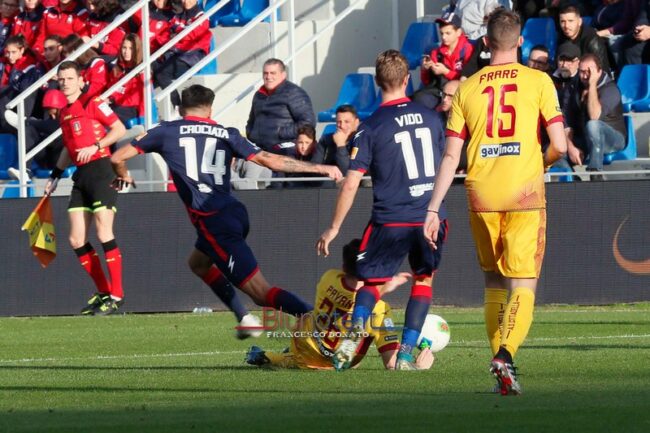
(501, 109)
(319, 333)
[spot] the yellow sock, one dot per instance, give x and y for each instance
(494, 307)
(518, 318)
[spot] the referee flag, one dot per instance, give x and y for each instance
(41, 232)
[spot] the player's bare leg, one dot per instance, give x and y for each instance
(516, 323)
(203, 267)
(79, 224)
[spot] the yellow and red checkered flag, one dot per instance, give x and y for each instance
(40, 228)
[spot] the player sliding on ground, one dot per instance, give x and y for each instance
(198, 153)
(318, 333)
(396, 147)
(500, 108)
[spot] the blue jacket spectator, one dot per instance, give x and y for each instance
(279, 108)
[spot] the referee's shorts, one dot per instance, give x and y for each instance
(92, 191)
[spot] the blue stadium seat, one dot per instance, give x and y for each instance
(8, 154)
(249, 10)
(44, 173)
(329, 129)
(634, 87)
(420, 39)
(567, 178)
(210, 68)
(538, 31)
(357, 90)
(15, 192)
(629, 152)
(587, 20)
(233, 7)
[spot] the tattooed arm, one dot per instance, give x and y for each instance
(290, 165)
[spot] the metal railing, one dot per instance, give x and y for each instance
(145, 67)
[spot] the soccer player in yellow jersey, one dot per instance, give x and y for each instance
(500, 108)
(319, 333)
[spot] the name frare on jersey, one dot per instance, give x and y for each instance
(497, 150)
(215, 131)
(501, 73)
(409, 119)
(420, 189)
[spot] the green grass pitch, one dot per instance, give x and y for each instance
(583, 369)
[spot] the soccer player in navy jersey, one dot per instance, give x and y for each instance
(396, 147)
(198, 152)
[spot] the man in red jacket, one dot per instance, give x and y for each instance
(63, 20)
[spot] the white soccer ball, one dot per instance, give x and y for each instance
(436, 331)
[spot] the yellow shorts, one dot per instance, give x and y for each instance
(510, 243)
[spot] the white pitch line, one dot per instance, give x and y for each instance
(234, 352)
(582, 337)
(132, 356)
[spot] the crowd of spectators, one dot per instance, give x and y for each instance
(41, 33)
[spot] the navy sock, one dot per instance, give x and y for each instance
(364, 303)
(416, 313)
(225, 291)
(287, 302)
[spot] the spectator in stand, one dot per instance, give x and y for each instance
(567, 83)
(304, 151)
(444, 63)
(127, 101)
(584, 37)
(9, 10)
(187, 52)
(474, 14)
(28, 22)
(68, 18)
(102, 13)
(607, 14)
(52, 52)
(602, 112)
(93, 69)
(539, 59)
(620, 34)
(36, 130)
(160, 16)
(332, 149)
(279, 108)
(19, 70)
(639, 50)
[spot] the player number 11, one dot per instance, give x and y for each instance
(404, 139)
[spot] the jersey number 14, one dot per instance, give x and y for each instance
(213, 161)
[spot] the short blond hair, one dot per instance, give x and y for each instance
(503, 29)
(391, 68)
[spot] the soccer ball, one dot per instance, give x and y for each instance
(435, 333)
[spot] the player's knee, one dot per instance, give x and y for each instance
(104, 234)
(76, 241)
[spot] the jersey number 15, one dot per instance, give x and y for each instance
(213, 161)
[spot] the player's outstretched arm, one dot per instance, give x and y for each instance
(289, 165)
(444, 178)
(344, 202)
(558, 147)
(118, 160)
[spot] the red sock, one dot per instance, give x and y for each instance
(114, 265)
(89, 260)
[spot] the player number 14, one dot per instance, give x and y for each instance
(213, 161)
